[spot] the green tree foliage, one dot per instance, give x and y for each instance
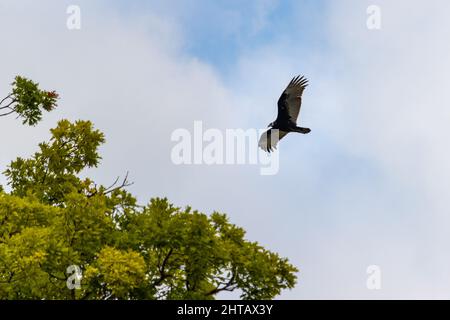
(27, 101)
(52, 172)
(52, 219)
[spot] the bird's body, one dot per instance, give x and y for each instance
(289, 105)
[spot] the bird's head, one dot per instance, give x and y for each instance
(270, 125)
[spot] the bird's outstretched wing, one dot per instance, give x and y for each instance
(291, 100)
(269, 139)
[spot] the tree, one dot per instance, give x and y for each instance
(27, 101)
(52, 219)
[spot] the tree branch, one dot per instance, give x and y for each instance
(5, 98)
(229, 286)
(163, 274)
(8, 113)
(125, 183)
(8, 106)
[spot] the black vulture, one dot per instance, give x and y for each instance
(288, 109)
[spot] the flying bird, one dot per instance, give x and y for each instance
(289, 105)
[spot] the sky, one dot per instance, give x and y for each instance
(368, 186)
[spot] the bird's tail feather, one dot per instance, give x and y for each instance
(302, 130)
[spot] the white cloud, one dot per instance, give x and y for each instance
(377, 181)
(393, 109)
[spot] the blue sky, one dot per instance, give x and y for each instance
(218, 32)
(369, 184)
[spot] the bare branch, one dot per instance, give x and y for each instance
(125, 183)
(5, 98)
(5, 114)
(8, 106)
(113, 187)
